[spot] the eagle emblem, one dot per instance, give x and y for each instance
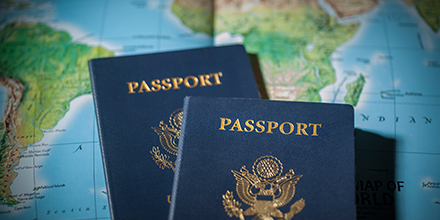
(264, 190)
(169, 136)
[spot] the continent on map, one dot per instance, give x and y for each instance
(347, 8)
(354, 91)
(196, 14)
(44, 70)
(293, 40)
(429, 10)
(9, 151)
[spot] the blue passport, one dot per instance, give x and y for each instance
(259, 159)
(138, 101)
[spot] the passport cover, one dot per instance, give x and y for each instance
(138, 102)
(262, 159)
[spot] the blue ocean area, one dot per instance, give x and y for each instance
(394, 49)
(73, 171)
(130, 27)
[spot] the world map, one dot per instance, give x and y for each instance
(382, 57)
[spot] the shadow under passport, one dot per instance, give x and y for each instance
(255, 63)
(375, 176)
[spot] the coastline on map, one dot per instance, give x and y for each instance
(73, 139)
(80, 116)
(355, 18)
(71, 148)
(176, 20)
(345, 74)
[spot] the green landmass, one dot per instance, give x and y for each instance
(293, 43)
(429, 10)
(53, 70)
(354, 91)
(196, 14)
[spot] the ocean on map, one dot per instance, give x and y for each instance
(392, 49)
(388, 65)
(69, 180)
(137, 32)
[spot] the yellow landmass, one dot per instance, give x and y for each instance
(347, 8)
(246, 5)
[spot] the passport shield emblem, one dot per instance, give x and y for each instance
(264, 190)
(169, 136)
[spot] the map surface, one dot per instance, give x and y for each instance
(383, 57)
(51, 165)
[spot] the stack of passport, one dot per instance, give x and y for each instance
(221, 152)
(268, 159)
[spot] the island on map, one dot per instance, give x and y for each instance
(293, 40)
(354, 91)
(43, 71)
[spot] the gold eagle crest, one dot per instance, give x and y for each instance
(169, 139)
(264, 191)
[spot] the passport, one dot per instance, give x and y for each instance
(245, 158)
(138, 103)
